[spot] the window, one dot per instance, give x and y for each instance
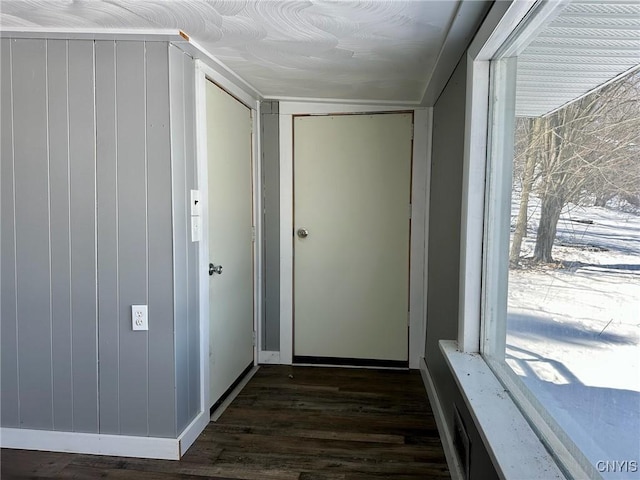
(561, 259)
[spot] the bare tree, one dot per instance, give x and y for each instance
(528, 133)
(586, 150)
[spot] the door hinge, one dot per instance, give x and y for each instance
(254, 338)
(410, 210)
(409, 318)
(253, 234)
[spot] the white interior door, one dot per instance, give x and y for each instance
(231, 293)
(352, 186)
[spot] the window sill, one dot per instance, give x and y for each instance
(514, 448)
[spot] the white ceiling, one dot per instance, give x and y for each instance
(378, 50)
(368, 50)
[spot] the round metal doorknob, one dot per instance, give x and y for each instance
(303, 232)
(215, 269)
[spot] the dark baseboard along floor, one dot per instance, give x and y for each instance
(230, 389)
(288, 423)
(351, 362)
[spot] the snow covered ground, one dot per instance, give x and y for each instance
(573, 333)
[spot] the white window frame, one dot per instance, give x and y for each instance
(486, 196)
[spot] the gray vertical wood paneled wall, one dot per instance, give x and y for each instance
(270, 137)
(98, 159)
(185, 260)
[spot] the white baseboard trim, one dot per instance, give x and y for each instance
(101, 444)
(441, 421)
(266, 357)
(92, 443)
(192, 432)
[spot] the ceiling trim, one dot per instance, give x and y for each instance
(321, 108)
(461, 32)
(141, 34)
(458, 34)
(321, 100)
(174, 36)
(191, 47)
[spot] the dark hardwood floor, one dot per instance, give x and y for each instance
(288, 423)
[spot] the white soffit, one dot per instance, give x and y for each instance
(370, 50)
(588, 44)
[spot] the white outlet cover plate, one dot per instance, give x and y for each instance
(139, 317)
(195, 229)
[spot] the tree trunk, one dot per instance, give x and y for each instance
(601, 200)
(549, 216)
(553, 180)
(523, 211)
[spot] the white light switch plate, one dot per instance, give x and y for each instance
(139, 317)
(195, 202)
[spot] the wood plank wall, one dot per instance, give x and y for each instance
(92, 222)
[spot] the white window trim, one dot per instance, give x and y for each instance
(503, 18)
(502, 21)
(498, 180)
(511, 443)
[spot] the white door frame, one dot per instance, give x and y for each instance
(419, 199)
(205, 73)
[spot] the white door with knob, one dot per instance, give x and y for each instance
(229, 152)
(352, 187)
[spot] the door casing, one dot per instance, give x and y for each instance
(205, 73)
(362, 321)
(419, 220)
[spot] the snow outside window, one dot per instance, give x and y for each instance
(561, 285)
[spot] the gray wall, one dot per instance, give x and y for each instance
(270, 136)
(185, 261)
(444, 256)
(87, 231)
